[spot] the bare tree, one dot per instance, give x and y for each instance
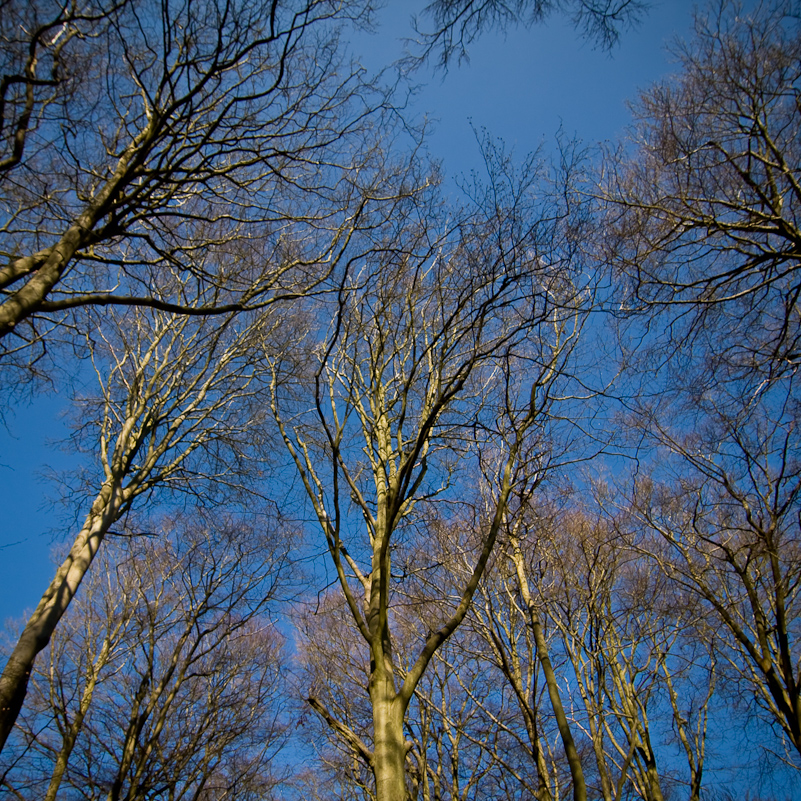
(456, 23)
(543, 652)
(225, 141)
(727, 518)
(705, 204)
(172, 411)
(180, 693)
(467, 727)
(590, 640)
(333, 679)
(629, 635)
(62, 691)
(454, 725)
(510, 650)
(705, 222)
(450, 349)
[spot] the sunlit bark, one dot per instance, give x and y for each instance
(447, 336)
(169, 387)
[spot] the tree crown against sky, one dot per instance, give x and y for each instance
(708, 201)
(703, 225)
(230, 143)
(394, 342)
(448, 27)
(432, 400)
(152, 681)
(174, 412)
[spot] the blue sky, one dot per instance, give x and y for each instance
(520, 86)
(524, 84)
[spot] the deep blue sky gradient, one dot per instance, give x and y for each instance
(521, 86)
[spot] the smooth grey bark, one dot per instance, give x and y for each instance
(42, 623)
(389, 766)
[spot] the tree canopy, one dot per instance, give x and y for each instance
(392, 491)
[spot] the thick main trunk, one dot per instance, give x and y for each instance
(389, 752)
(39, 629)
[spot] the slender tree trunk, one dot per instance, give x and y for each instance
(573, 761)
(530, 716)
(74, 729)
(37, 632)
(135, 724)
(510, 665)
(651, 773)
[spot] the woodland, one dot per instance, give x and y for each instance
(391, 491)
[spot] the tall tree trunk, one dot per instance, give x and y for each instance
(74, 729)
(510, 665)
(573, 761)
(37, 632)
(389, 764)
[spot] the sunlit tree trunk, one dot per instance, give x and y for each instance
(42, 623)
(73, 729)
(573, 760)
(159, 402)
(429, 362)
(180, 686)
(389, 743)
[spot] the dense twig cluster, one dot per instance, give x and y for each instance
(555, 560)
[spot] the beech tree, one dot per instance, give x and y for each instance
(466, 726)
(629, 635)
(727, 519)
(628, 651)
(704, 217)
(171, 411)
(165, 675)
(508, 650)
(334, 675)
(452, 742)
(459, 726)
(574, 630)
(226, 141)
(704, 206)
(445, 351)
